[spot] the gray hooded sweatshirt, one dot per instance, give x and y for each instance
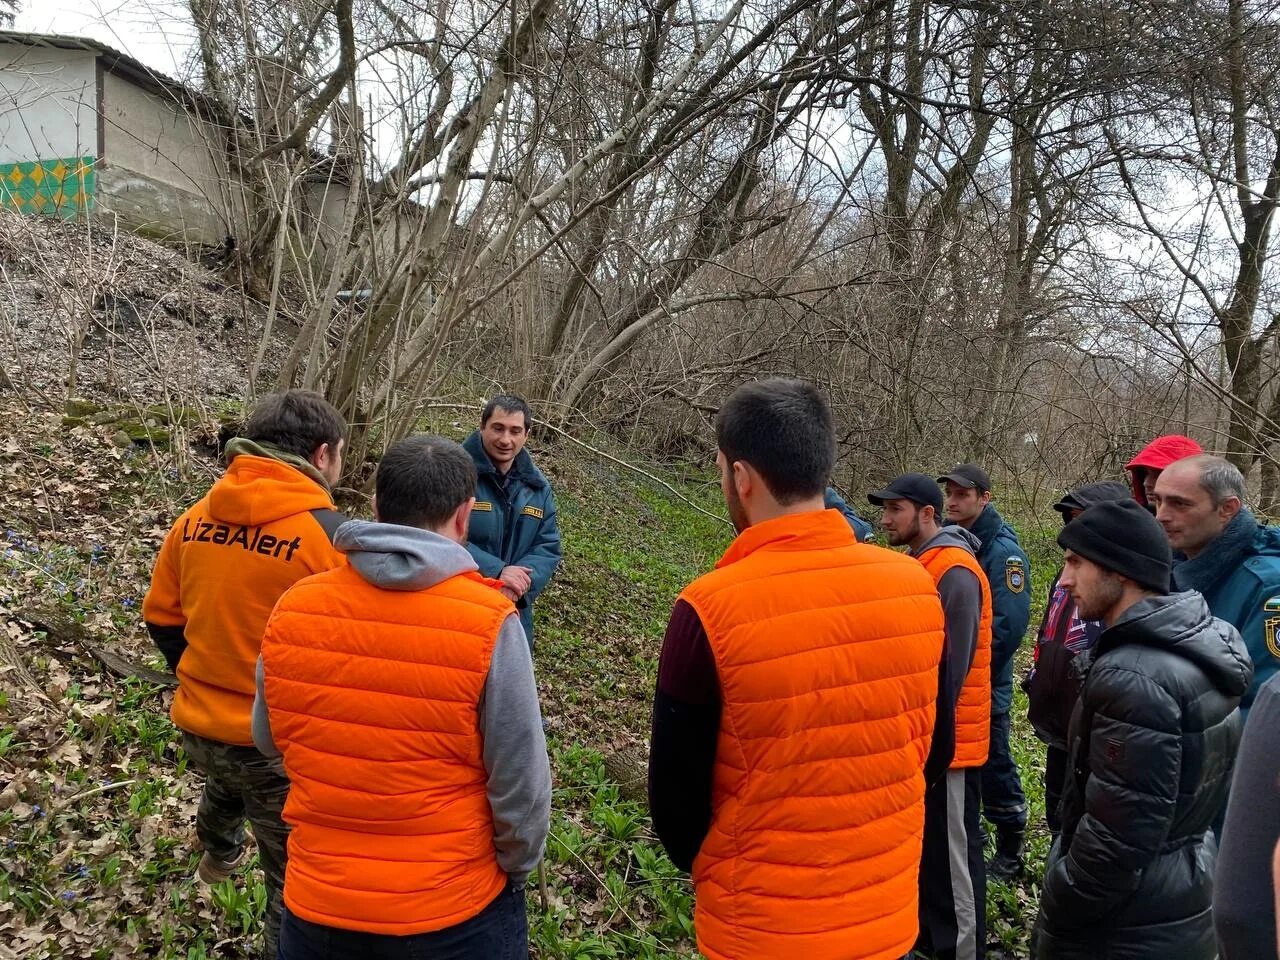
(961, 596)
(515, 752)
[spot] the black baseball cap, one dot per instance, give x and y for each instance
(916, 487)
(968, 475)
(1082, 498)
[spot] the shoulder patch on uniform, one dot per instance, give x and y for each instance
(1015, 575)
(1271, 633)
(484, 506)
(1272, 605)
(532, 512)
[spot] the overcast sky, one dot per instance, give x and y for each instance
(155, 32)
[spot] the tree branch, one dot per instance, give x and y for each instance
(341, 76)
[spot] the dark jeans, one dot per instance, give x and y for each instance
(1003, 803)
(498, 932)
(241, 784)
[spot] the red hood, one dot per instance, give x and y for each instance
(1157, 455)
(258, 490)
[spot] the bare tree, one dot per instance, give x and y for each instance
(1213, 133)
(617, 209)
(506, 176)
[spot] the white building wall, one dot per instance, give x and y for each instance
(160, 168)
(166, 168)
(48, 103)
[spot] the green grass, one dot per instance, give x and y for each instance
(611, 890)
(110, 873)
(629, 549)
(1011, 907)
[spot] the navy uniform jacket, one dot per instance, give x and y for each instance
(833, 501)
(513, 524)
(1239, 574)
(1009, 573)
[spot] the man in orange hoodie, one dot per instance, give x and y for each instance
(261, 528)
(795, 708)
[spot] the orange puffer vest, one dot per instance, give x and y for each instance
(827, 655)
(373, 698)
(973, 709)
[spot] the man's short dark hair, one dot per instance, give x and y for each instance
(511, 404)
(296, 421)
(782, 428)
(422, 480)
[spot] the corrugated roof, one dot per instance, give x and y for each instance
(64, 42)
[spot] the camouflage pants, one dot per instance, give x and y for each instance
(241, 784)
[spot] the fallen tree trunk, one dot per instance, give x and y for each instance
(63, 630)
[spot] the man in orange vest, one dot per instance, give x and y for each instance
(953, 883)
(969, 504)
(261, 528)
(399, 689)
(794, 708)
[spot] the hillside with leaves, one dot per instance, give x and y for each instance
(97, 803)
(118, 379)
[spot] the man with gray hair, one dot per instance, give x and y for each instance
(1223, 552)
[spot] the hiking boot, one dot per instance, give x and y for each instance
(212, 870)
(1006, 864)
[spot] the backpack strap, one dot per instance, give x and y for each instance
(329, 520)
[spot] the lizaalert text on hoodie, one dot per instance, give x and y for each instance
(250, 539)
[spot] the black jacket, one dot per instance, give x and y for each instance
(1063, 655)
(1064, 643)
(1152, 744)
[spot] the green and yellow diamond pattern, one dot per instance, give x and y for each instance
(55, 188)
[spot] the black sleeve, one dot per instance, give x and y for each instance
(329, 520)
(961, 595)
(686, 725)
(1244, 910)
(942, 748)
(172, 642)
